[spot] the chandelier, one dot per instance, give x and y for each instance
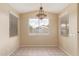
(41, 13)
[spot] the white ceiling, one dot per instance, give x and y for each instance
(50, 7)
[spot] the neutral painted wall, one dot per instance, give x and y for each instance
(38, 40)
(69, 44)
(7, 44)
(78, 29)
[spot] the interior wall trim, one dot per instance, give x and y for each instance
(13, 13)
(38, 46)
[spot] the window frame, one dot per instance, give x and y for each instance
(39, 33)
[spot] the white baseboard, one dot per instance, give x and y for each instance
(65, 51)
(39, 46)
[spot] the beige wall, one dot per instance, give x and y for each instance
(38, 40)
(7, 44)
(69, 44)
(78, 28)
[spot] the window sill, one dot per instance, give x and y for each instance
(38, 33)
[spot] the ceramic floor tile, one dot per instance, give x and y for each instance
(26, 51)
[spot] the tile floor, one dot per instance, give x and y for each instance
(39, 51)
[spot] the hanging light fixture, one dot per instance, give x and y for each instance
(41, 14)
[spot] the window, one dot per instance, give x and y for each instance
(37, 26)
